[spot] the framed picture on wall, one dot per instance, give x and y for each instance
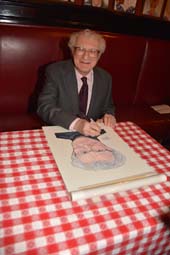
(97, 3)
(153, 7)
(128, 6)
(56, 1)
(166, 15)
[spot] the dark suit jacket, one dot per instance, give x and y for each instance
(58, 102)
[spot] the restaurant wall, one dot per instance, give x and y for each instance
(78, 16)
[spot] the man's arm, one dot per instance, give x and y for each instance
(53, 100)
(108, 117)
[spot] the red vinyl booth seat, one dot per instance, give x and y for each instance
(139, 67)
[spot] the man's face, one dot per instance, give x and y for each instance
(85, 54)
(88, 151)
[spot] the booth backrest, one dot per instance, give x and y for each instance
(140, 67)
(25, 51)
(153, 85)
(123, 59)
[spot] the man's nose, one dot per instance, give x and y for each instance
(86, 54)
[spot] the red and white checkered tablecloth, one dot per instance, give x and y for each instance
(37, 216)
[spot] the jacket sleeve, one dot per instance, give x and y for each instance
(109, 105)
(51, 106)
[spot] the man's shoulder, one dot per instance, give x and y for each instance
(102, 72)
(60, 65)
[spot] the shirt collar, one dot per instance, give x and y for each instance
(89, 76)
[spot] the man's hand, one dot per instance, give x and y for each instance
(87, 128)
(108, 120)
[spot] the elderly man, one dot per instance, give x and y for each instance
(77, 94)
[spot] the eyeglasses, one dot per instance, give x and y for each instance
(93, 53)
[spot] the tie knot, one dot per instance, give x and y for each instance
(84, 79)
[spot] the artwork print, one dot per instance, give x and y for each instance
(153, 7)
(89, 153)
(166, 15)
(91, 166)
(127, 6)
(97, 3)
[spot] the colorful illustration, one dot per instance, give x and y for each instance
(97, 3)
(91, 153)
(153, 7)
(166, 15)
(125, 6)
(62, 1)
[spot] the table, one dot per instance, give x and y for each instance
(37, 216)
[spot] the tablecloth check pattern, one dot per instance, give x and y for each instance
(37, 216)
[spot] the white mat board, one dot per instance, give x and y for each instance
(81, 183)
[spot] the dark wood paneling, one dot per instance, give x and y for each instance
(72, 15)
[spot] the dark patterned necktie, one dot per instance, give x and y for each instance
(83, 95)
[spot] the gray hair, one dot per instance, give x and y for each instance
(90, 34)
(100, 161)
